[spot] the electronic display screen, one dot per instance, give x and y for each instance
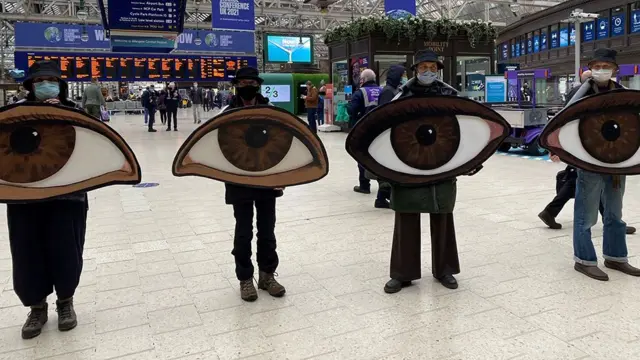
(167, 68)
(126, 66)
(154, 66)
(193, 66)
(97, 66)
(83, 67)
(139, 68)
(111, 68)
(180, 68)
(289, 49)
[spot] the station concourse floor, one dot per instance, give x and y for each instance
(159, 279)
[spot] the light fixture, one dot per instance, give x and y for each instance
(197, 41)
(85, 36)
(82, 13)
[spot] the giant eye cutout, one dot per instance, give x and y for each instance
(416, 141)
(48, 151)
(598, 133)
(258, 146)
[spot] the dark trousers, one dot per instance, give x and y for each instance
(173, 113)
(266, 244)
(163, 116)
(205, 105)
(365, 184)
(320, 115)
(311, 117)
(405, 251)
(565, 193)
(152, 117)
(46, 240)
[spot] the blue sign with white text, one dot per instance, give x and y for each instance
(505, 51)
(518, 50)
(289, 49)
(233, 14)
(554, 40)
(543, 41)
(635, 21)
(617, 24)
(530, 46)
(564, 37)
(145, 15)
(588, 31)
(496, 91)
(603, 28)
(399, 9)
(522, 48)
(39, 35)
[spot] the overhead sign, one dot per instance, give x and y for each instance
(588, 31)
(536, 43)
(400, 9)
(277, 93)
(233, 15)
(617, 24)
(56, 36)
(145, 15)
(635, 21)
(543, 41)
(603, 28)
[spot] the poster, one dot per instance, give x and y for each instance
(496, 89)
(530, 46)
(588, 31)
(358, 65)
(635, 21)
(233, 14)
(399, 9)
(617, 24)
(603, 28)
(536, 43)
(554, 39)
(564, 37)
(543, 40)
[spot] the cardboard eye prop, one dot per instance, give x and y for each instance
(418, 141)
(598, 133)
(258, 146)
(48, 151)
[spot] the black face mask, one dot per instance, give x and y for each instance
(248, 93)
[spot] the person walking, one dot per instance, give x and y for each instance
(172, 102)
(162, 106)
(311, 103)
(149, 101)
(92, 99)
(197, 97)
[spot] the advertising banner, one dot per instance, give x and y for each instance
(505, 51)
(617, 24)
(289, 49)
(496, 89)
(144, 15)
(543, 41)
(398, 9)
(55, 36)
(536, 43)
(233, 15)
(603, 28)
(529, 46)
(554, 39)
(588, 31)
(564, 37)
(635, 21)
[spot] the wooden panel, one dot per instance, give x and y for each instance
(360, 47)
(338, 51)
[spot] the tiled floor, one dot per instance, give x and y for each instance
(159, 280)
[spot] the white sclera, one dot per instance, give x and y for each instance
(207, 152)
(93, 155)
(569, 138)
(475, 134)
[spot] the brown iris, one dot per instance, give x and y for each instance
(33, 153)
(610, 137)
(254, 147)
(427, 143)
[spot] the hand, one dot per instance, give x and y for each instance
(555, 158)
(52, 101)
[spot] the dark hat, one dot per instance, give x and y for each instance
(427, 56)
(43, 68)
(249, 73)
(604, 55)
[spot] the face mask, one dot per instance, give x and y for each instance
(47, 90)
(427, 77)
(403, 81)
(601, 75)
(248, 93)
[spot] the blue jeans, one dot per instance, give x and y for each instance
(311, 117)
(592, 188)
(320, 115)
(146, 115)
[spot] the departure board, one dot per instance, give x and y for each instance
(122, 67)
(111, 68)
(83, 67)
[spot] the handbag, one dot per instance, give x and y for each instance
(104, 114)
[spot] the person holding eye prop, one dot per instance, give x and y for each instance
(595, 191)
(243, 198)
(47, 237)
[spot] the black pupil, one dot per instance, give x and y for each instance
(610, 130)
(426, 135)
(24, 140)
(256, 136)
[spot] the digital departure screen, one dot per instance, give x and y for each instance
(212, 68)
(167, 68)
(111, 68)
(192, 69)
(139, 68)
(97, 66)
(83, 67)
(154, 65)
(126, 66)
(180, 68)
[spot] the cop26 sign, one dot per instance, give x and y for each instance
(233, 15)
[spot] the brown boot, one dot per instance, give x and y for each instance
(35, 321)
(549, 220)
(592, 271)
(67, 319)
(622, 267)
(248, 291)
(268, 282)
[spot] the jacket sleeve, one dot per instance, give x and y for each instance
(313, 95)
(355, 106)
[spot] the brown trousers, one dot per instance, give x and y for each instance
(405, 251)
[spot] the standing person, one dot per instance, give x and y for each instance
(172, 101)
(162, 106)
(594, 189)
(244, 199)
(92, 99)
(146, 111)
(197, 97)
(321, 94)
(47, 237)
(311, 103)
(205, 101)
(149, 101)
(395, 77)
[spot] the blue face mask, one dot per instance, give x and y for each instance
(427, 77)
(46, 90)
(403, 81)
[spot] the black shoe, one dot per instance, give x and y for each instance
(168, 129)
(593, 272)
(622, 267)
(448, 281)
(153, 130)
(175, 129)
(631, 230)
(199, 121)
(381, 204)
(360, 190)
(67, 319)
(393, 286)
(35, 321)
(549, 220)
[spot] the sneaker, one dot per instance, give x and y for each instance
(248, 291)
(35, 321)
(268, 282)
(67, 319)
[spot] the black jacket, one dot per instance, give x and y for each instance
(172, 100)
(237, 194)
(196, 95)
(149, 99)
(391, 89)
(357, 105)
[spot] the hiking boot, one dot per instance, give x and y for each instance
(35, 321)
(67, 319)
(268, 282)
(549, 220)
(248, 292)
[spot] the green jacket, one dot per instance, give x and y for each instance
(92, 96)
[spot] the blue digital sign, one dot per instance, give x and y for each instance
(400, 9)
(233, 14)
(572, 35)
(505, 51)
(517, 50)
(617, 24)
(513, 49)
(635, 21)
(602, 28)
(289, 49)
(529, 46)
(163, 16)
(554, 39)
(522, 48)
(564, 37)
(543, 40)
(588, 31)
(536, 43)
